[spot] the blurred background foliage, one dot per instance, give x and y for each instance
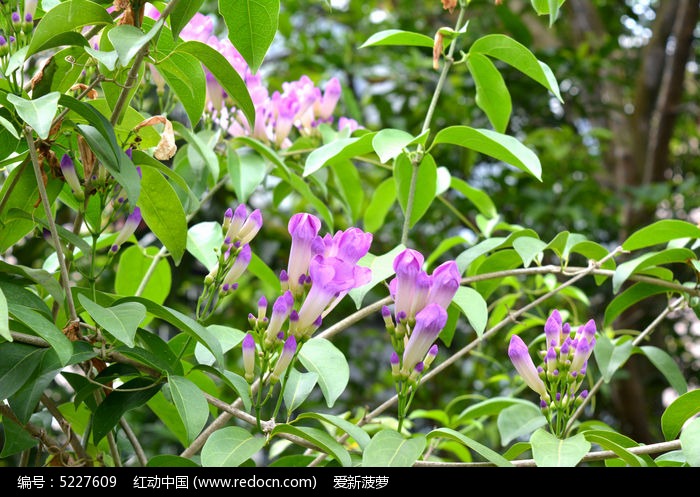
(617, 64)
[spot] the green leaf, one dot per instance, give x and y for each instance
(262, 271)
(617, 443)
(4, 318)
(16, 438)
(382, 267)
(489, 407)
(477, 447)
(389, 143)
(142, 159)
(473, 306)
(661, 232)
(528, 248)
(183, 323)
(17, 365)
(398, 37)
(492, 95)
(131, 395)
(678, 412)
(184, 75)
(204, 241)
(134, 265)
(595, 251)
(465, 259)
(114, 159)
(163, 213)
(107, 59)
(549, 451)
(357, 433)
(519, 421)
(45, 329)
(252, 25)
(650, 259)
(338, 150)
(320, 356)
(610, 356)
(517, 55)
(171, 461)
(66, 16)
(667, 366)
(190, 403)
(9, 127)
(319, 438)
(121, 321)
(690, 443)
(499, 146)
(224, 73)
(154, 352)
(128, 40)
(503, 260)
(349, 185)
(304, 190)
(38, 113)
(629, 297)
(379, 205)
(297, 389)
(426, 178)
(246, 172)
(183, 12)
(390, 449)
(479, 198)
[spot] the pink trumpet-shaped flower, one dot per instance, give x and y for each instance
(285, 358)
(429, 323)
(304, 229)
(248, 347)
(521, 359)
(132, 222)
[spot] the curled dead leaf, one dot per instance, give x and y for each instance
(437, 49)
(166, 147)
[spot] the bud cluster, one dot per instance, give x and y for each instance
(562, 371)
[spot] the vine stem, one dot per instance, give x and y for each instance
(134, 71)
(52, 224)
(415, 162)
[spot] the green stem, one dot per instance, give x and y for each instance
(65, 281)
(415, 162)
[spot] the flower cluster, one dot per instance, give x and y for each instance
(321, 270)
(564, 363)
(419, 315)
(301, 105)
(16, 26)
(239, 227)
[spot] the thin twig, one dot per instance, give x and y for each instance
(65, 281)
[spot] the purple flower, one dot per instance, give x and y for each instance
(581, 354)
(350, 245)
(520, 357)
(326, 105)
(304, 230)
(429, 323)
(248, 347)
(445, 281)
(553, 329)
(15, 17)
(407, 264)
(239, 266)
(285, 358)
(395, 363)
(331, 279)
(71, 177)
(244, 227)
(132, 222)
(280, 312)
